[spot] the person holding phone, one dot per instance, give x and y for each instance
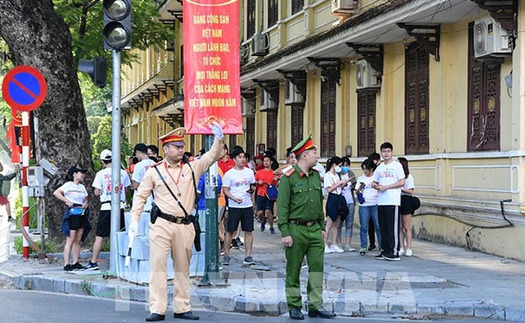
(367, 197)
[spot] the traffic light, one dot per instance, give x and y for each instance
(117, 24)
(96, 68)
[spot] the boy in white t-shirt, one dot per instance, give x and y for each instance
(238, 186)
(389, 177)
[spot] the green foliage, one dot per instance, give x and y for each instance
(18, 210)
(52, 245)
(102, 140)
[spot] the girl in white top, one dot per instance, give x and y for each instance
(334, 185)
(406, 209)
(74, 194)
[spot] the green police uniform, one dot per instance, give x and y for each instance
(300, 209)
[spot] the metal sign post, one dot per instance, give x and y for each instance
(115, 162)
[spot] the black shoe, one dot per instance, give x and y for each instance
(234, 244)
(379, 256)
(372, 247)
(239, 242)
(78, 266)
(186, 316)
(322, 313)
(296, 314)
(153, 317)
(10, 219)
(68, 267)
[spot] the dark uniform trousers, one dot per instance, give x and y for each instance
(307, 241)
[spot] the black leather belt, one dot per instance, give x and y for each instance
(305, 223)
(176, 219)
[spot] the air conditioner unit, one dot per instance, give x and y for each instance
(248, 107)
(292, 94)
(344, 6)
(260, 44)
(366, 76)
(490, 38)
(267, 103)
(244, 54)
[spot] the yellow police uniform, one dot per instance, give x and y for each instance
(166, 236)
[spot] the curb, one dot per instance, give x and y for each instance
(227, 301)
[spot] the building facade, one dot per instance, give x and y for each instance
(441, 80)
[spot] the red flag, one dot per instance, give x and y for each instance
(212, 68)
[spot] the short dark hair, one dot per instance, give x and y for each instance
(288, 151)
(369, 163)
(374, 156)
(154, 149)
(386, 145)
(140, 148)
(236, 151)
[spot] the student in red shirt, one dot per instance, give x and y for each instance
(263, 178)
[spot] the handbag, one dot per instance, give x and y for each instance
(272, 192)
(416, 203)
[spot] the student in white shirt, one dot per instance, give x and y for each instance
(389, 177)
(336, 208)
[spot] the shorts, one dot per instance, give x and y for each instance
(78, 222)
(244, 215)
(104, 223)
(406, 205)
(3, 200)
(264, 203)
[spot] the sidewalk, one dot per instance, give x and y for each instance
(438, 279)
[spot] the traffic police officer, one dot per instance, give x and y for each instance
(169, 231)
(301, 222)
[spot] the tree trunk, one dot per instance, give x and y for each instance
(38, 37)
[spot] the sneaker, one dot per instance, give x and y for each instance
(239, 242)
(263, 225)
(348, 248)
(391, 258)
(235, 245)
(362, 251)
(372, 247)
(379, 256)
(408, 253)
(336, 248)
(68, 267)
(10, 219)
(78, 266)
(402, 252)
(272, 230)
(248, 261)
(92, 266)
(226, 261)
(327, 249)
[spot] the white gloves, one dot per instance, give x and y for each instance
(217, 130)
(133, 228)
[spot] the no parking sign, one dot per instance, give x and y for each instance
(24, 88)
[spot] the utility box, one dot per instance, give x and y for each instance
(35, 181)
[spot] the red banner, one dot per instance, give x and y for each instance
(211, 66)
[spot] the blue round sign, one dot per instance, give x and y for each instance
(24, 88)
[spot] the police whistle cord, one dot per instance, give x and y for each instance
(476, 226)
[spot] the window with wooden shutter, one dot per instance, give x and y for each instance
(297, 5)
(416, 99)
(366, 109)
(271, 120)
(250, 136)
(328, 117)
(273, 12)
(483, 125)
(232, 141)
(250, 18)
(297, 124)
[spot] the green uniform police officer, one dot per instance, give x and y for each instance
(301, 222)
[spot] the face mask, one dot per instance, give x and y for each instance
(344, 169)
(337, 169)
